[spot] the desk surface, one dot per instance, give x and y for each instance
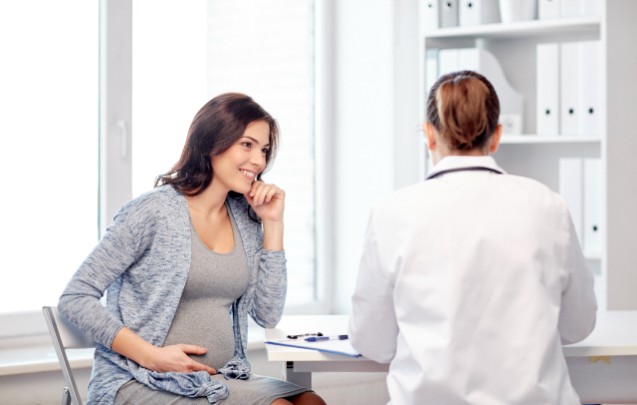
(298, 324)
(615, 334)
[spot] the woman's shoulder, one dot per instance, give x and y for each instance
(156, 202)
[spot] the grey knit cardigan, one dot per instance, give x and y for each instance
(143, 262)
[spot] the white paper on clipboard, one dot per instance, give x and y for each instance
(334, 346)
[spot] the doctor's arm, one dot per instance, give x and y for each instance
(372, 326)
(579, 306)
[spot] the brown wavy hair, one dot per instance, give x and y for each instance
(464, 108)
(215, 128)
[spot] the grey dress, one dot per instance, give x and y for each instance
(215, 281)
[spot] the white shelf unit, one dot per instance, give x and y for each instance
(514, 45)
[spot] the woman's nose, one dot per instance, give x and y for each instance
(258, 159)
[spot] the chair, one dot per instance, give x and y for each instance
(66, 336)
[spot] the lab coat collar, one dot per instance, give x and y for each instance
(456, 163)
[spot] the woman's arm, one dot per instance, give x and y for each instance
(267, 200)
(80, 301)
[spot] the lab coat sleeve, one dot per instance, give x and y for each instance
(373, 327)
(578, 307)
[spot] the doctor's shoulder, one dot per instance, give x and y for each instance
(403, 200)
(534, 191)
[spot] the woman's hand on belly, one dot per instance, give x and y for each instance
(163, 359)
(175, 358)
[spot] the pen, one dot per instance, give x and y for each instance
(320, 338)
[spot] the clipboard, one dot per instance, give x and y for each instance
(341, 347)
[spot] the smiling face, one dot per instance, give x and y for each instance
(236, 168)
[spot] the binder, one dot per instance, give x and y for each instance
(593, 206)
(448, 61)
(431, 69)
(448, 13)
(571, 188)
(570, 88)
(478, 12)
(430, 12)
(592, 100)
(570, 8)
(579, 8)
(549, 9)
(548, 89)
(470, 59)
(590, 8)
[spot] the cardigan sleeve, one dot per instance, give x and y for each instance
(80, 302)
(271, 288)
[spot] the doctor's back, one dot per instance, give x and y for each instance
(472, 280)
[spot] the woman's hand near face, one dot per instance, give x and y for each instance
(268, 201)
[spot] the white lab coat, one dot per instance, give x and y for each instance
(469, 284)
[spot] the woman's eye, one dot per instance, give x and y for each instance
(265, 151)
(247, 144)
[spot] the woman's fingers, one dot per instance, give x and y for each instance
(176, 358)
(196, 366)
(262, 193)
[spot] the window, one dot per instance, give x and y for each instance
(183, 54)
(261, 48)
(48, 146)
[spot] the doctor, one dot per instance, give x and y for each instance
(472, 280)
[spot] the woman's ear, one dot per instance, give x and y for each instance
(494, 142)
(430, 135)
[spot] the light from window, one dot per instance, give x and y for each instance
(260, 48)
(48, 147)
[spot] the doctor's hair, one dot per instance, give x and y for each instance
(218, 125)
(464, 108)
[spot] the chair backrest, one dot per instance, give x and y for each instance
(65, 335)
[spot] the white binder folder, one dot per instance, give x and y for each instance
(549, 9)
(477, 12)
(591, 8)
(570, 8)
(570, 88)
(548, 89)
(593, 206)
(430, 11)
(448, 13)
(448, 61)
(431, 69)
(592, 99)
(572, 189)
(579, 8)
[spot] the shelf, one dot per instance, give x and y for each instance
(531, 28)
(552, 139)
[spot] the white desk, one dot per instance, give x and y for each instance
(603, 367)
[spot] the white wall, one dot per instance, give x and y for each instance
(376, 116)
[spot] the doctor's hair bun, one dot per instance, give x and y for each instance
(464, 108)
